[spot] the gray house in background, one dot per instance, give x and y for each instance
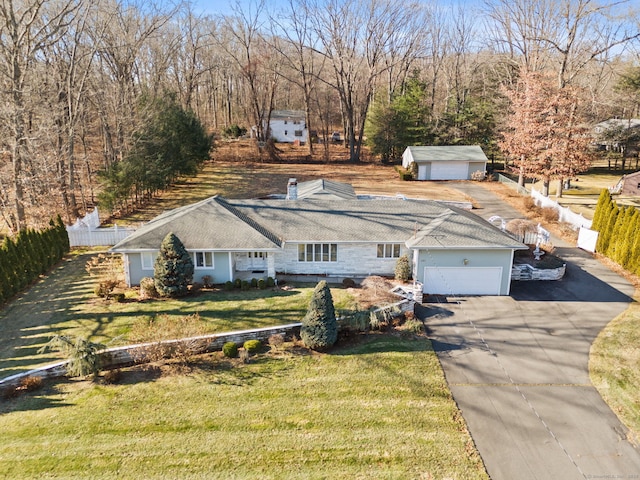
(331, 234)
(456, 162)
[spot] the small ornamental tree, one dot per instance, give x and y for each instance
(403, 269)
(173, 269)
(319, 329)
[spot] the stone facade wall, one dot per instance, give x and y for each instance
(354, 259)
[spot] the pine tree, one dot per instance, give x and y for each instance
(319, 329)
(173, 269)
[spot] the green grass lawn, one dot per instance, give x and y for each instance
(379, 409)
(613, 365)
(64, 303)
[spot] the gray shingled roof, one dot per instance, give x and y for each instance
(419, 223)
(326, 189)
(471, 153)
(211, 224)
(222, 224)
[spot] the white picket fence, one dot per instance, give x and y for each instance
(86, 232)
(564, 213)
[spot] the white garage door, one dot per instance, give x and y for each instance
(462, 281)
(449, 170)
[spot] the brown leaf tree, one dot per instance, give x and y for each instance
(544, 137)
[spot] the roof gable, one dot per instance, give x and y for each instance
(211, 224)
(326, 189)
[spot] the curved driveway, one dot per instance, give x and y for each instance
(518, 368)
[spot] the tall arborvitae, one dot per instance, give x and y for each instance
(603, 205)
(63, 237)
(606, 227)
(30, 254)
(615, 235)
(629, 233)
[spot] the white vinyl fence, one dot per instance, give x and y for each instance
(86, 232)
(564, 213)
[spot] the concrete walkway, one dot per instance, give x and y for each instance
(518, 368)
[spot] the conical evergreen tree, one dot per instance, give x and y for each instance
(603, 205)
(615, 235)
(173, 269)
(319, 329)
(631, 229)
(607, 224)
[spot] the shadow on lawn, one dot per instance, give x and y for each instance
(43, 398)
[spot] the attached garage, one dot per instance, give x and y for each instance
(462, 280)
(457, 162)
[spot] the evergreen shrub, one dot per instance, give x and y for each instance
(319, 329)
(230, 350)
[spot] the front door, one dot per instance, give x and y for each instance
(257, 261)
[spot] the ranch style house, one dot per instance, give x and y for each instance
(328, 232)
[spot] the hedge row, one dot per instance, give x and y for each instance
(28, 255)
(619, 232)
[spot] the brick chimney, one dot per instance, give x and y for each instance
(292, 189)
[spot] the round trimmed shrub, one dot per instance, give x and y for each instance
(237, 283)
(228, 285)
(262, 284)
(254, 283)
(252, 346)
(230, 350)
(270, 282)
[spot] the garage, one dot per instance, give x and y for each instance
(449, 170)
(452, 162)
(462, 280)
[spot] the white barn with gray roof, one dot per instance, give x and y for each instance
(456, 162)
(452, 251)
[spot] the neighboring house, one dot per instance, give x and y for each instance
(631, 184)
(616, 127)
(287, 126)
(452, 251)
(456, 162)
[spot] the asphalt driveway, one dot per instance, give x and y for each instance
(518, 368)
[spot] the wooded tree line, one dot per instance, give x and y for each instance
(78, 78)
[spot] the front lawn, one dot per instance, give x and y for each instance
(63, 303)
(613, 365)
(377, 409)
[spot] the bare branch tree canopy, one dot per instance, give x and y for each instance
(563, 35)
(74, 73)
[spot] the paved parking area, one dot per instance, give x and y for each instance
(518, 369)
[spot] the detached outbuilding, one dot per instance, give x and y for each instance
(456, 162)
(631, 184)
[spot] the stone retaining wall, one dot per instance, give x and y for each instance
(124, 356)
